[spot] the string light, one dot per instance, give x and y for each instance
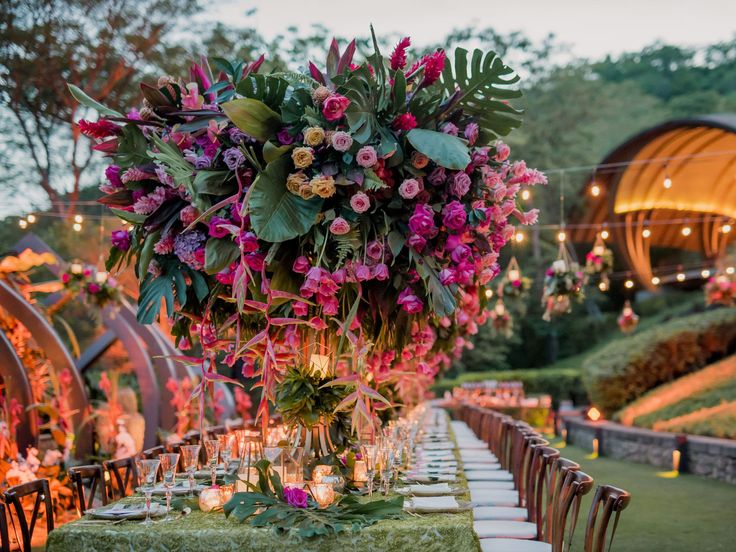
(595, 190)
(730, 270)
(655, 280)
(681, 277)
(705, 273)
(519, 237)
(603, 286)
(526, 195)
(686, 231)
(726, 228)
(667, 180)
(23, 223)
(31, 218)
(629, 284)
(561, 236)
(646, 232)
(605, 234)
(79, 219)
(77, 227)
(489, 293)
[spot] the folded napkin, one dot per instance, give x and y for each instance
(436, 489)
(446, 445)
(431, 504)
(433, 465)
(433, 471)
(425, 477)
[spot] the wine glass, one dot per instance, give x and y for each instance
(212, 448)
(148, 468)
(387, 464)
(272, 454)
(190, 458)
(369, 453)
(226, 448)
(169, 462)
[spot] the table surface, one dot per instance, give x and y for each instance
(213, 532)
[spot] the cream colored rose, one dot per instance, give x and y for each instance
(320, 94)
(314, 136)
(305, 191)
(295, 181)
(323, 186)
(302, 157)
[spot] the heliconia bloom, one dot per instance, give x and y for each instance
(381, 272)
(301, 265)
(460, 184)
(410, 302)
(120, 239)
(404, 122)
(409, 188)
(339, 226)
(191, 100)
(422, 221)
(216, 229)
(398, 56)
(471, 132)
(502, 151)
(102, 128)
(454, 215)
(341, 141)
(450, 128)
(366, 157)
(248, 242)
(333, 108)
(360, 202)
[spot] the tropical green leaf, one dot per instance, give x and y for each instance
(371, 182)
(442, 296)
(214, 183)
(219, 254)
(153, 291)
(146, 254)
(361, 113)
(295, 106)
(132, 148)
(86, 101)
(268, 89)
(271, 151)
(276, 214)
(483, 84)
(128, 216)
(253, 117)
(176, 166)
(445, 150)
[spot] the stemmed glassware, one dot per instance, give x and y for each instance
(370, 453)
(386, 455)
(226, 441)
(148, 469)
(169, 463)
(212, 448)
(190, 459)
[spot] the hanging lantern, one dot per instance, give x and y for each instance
(563, 283)
(628, 320)
(599, 261)
(514, 285)
(720, 289)
(501, 321)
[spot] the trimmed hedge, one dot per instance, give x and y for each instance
(624, 369)
(561, 383)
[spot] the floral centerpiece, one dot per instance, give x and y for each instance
(501, 320)
(563, 283)
(287, 217)
(628, 320)
(599, 261)
(94, 287)
(721, 290)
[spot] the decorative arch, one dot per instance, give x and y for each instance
(18, 387)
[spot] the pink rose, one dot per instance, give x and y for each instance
(216, 229)
(300, 308)
(360, 202)
(93, 288)
(340, 226)
(380, 272)
(417, 242)
(410, 302)
(366, 157)
(460, 184)
(450, 128)
(341, 141)
(409, 188)
(502, 152)
(454, 216)
(438, 176)
(422, 221)
(363, 273)
(301, 265)
(471, 133)
(334, 107)
(374, 250)
(447, 276)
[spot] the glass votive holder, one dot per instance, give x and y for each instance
(323, 493)
(320, 471)
(360, 471)
(226, 493)
(209, 499)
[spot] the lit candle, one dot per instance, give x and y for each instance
(599, 250)
(319, 365)
(76, 268)
(324, 494)
(360, 471)
(514, 275)
(320, 471)
(226, 493)
(101, 277)
(559, 265)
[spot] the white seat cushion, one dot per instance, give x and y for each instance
(495, 528)
(477, 459)
(514, 545)
(500, 485)
(489, 497)
(500, 512)
(488, 475)
(481, 466)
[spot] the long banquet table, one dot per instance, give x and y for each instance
(213, 532)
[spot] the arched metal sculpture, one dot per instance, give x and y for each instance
(18, 387)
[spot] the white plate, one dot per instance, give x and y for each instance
(127, 511)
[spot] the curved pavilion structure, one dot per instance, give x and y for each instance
(676, 176)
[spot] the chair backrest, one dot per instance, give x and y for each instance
(559, 471)
(576, 484)
(608, 501)
(87, 477)
(123, 477)
(153, 452)
(540, 486)
(39, 490)
(4, 535)
(525, 468)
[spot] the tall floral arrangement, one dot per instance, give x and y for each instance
(285, 216)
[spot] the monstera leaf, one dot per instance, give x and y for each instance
(253, 117)
(483, 84)
(445, 150)
(276, 214)
(266, 88)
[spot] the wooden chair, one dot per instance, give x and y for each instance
(87, 477)
(153, 452)
(123, 477)
(608, 501)
(14, 498)
(4, 535)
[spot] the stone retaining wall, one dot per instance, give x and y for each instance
(705, 456)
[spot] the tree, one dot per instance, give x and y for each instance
(101, 46)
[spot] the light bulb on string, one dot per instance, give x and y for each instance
(726, 228)
(705, 273)
(561, 236)
(605, 234)
(595, 190)
(655, 280)
(79, 219)
(686, 231)
(519, 237)
(646, 233)
(31, 218)
(489, 293)
(23, 223)
(77, 227)
(629, 283)
(526, 195)
(730, 270)
(667, 183)
(603, 286)
(680, 276)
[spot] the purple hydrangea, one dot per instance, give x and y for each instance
(186, 246)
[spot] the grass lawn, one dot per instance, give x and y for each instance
(683, 514)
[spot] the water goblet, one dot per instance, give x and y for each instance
(212, 448)
(369, 453)
(169, 463)
(272, 454)
(148, 469)
(190, 458)
(226, 441)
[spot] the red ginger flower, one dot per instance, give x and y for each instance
(99, 129)
(405, 122)
(398, 56)
(433, 65)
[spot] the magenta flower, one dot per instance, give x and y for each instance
(460, 184)
(374, 250)
(120, 239)
(454, 216)
(340, 226)
(284, 137)
(471, 133)
(248, 242)
(112, 173)
(398, 56)
(502, 152)
(380, 272)
(334, 107)
(296, 497)
(216, 228)
(93, 288)
(422, 221)
(417, 242)
(301, 265)
(363, 273)
(410, 302)
(405, 122)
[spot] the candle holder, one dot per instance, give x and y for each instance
(360, 471)
(320, 471)
(209, 499)
(323, 493)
